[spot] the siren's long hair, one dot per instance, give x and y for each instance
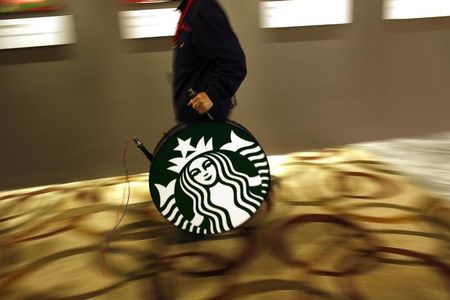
(219, 218)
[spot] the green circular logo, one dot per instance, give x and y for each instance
(209, 178)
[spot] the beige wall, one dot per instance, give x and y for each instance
(66, 112)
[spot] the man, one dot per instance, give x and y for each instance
(208, 59)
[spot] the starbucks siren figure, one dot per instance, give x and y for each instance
(202, 190)
(210, 180)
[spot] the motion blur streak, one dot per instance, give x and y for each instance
(338, 224)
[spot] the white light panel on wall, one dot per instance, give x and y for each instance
(36, 32)
(293, 13)
(136, 24)
(414, 9)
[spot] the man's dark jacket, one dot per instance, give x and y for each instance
(207, 58)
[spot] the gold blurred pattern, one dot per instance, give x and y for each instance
(338, 225)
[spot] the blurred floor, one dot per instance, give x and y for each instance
(339, 225)
(426, 159)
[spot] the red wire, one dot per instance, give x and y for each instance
(126, 189)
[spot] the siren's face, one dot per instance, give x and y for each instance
(203, 171)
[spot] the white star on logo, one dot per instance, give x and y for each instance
(184, 147)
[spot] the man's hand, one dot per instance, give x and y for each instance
(201, 103)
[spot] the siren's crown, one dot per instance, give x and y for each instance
(185, 147)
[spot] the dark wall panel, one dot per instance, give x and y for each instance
(67, 112)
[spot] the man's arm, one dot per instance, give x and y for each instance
(218, 43)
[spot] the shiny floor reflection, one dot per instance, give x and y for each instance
(338, 225)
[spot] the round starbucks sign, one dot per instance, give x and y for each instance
(209, 178)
